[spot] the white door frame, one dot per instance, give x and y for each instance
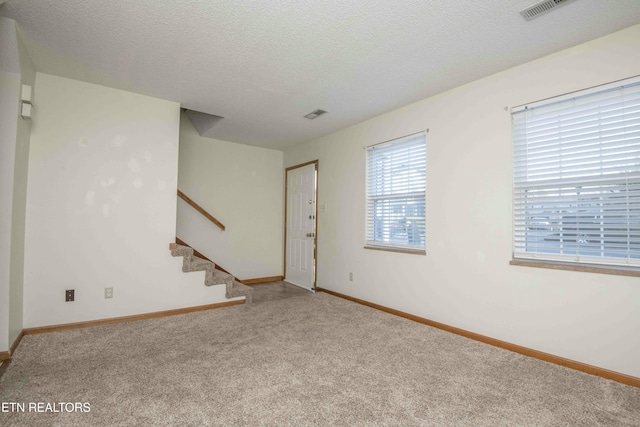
(315, 243)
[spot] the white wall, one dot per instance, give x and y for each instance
(19, 202)
(9, 105)
(466, 280)
(101, 206)
(15, 69)
(243, 187)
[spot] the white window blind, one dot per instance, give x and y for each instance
(576, 178)
(396, 191)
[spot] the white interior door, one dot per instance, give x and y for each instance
(301, 226)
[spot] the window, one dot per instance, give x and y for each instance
(576, 177)
(396, 182)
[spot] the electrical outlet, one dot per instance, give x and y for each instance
(108, 292)
(350, 277)
(69, 295)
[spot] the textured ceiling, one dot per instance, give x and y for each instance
(263, 65)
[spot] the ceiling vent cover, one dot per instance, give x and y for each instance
(542, 7)
(314, 114)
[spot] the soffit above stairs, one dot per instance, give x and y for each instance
(203, 122)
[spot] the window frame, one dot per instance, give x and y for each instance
(405, 202)
(603, 197)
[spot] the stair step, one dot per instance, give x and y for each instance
(217, 277)
(240, 290)
(193, 263)
(180, 250)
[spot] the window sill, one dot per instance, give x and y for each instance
(399, 250)
(619, 271)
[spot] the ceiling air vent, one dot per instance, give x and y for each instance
(542, 7)
(312, 115)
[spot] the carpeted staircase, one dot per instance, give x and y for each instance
(213, 276)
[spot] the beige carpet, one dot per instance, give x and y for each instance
(307, 360)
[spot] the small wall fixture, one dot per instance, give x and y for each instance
(314, 114)
(25, 111)
(26, 97)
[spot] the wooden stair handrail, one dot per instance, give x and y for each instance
(197, 207)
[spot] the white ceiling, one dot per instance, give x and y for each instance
(264, 64)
